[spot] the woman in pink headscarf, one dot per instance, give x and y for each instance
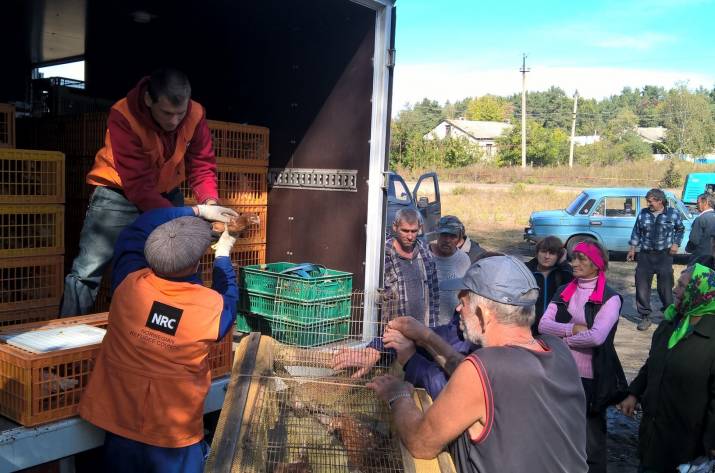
(584, 314)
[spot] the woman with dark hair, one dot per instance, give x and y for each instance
(676, 385)
(551, 271)
(584, 313)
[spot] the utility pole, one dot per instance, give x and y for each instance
(523, 71)
(573, 127)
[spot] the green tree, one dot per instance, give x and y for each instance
(489, 108)
(551, 108)
(544, 146)
(621, 127)
(689, 120)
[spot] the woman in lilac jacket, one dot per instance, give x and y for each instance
(584, 314)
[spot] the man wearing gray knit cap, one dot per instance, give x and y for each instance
(508, 403)
(151, 375)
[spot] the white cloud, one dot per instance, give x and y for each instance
(442, 82)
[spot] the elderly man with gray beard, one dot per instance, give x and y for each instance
(514, 405)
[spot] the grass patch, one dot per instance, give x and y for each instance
(498, 215)
(643, 173)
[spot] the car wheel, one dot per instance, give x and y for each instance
(575, 240)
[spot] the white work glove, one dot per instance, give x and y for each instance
(215, 213)
(224, 244)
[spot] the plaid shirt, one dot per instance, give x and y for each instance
(395, 303)
(657, 233)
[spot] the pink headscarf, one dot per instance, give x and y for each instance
(594, 254)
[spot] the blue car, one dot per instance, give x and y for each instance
(605, 214)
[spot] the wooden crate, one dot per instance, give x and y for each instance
(7, 125)
(23, 316)
(32, 230)
(241, 255)
(237, 185)
(243, 144)
(30, 282)
(31, 177)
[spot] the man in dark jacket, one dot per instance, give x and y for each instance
(703, 227)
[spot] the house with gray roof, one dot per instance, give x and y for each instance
(482, 133)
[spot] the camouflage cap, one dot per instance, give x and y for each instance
(450, 224)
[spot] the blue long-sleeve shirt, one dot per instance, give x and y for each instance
(129, 257)
(423, 372)
(659, 232)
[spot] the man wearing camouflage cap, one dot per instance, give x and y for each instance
(151, 375)
(514, 405)
(451, 264)
(465, 244)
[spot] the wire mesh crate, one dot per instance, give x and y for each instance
(38, 388)
(275, 279)
(31, 177)
(23, 316)
(30, 282)
(237, 185)
(241, 255)
(245, 144)
(31, 230)
(289, 411)
(7, 125)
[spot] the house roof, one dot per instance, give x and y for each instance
(480, 130)
(651, 134)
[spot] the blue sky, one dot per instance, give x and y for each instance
(451, 49)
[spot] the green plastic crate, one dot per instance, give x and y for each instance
(302, 312)
(323, 284)
(247, 323)
(308, 335)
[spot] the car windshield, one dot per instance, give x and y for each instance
(576, 204)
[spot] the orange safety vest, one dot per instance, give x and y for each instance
(169, 173)
(152, 375)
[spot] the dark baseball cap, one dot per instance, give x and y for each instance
(450, 224)
(503, 279)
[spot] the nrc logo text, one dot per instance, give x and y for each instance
(164, 321)
(164, 318)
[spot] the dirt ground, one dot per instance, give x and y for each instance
(632, 345)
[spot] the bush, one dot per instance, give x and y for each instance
(672, 177)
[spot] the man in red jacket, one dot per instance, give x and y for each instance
(156, 138)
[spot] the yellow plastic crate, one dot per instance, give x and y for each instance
(32, 230)
(31, 177)
(7, 125)
(30, 282)
(244, 144)
(237, 185)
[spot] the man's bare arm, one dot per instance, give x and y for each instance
(443, 353)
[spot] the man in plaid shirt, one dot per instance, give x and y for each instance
(658, 233)
(411, 288)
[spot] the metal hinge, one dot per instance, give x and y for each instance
(391, 57)
(313, 179)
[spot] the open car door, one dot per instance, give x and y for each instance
(427, 200)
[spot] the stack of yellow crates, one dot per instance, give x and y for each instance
(32, 194)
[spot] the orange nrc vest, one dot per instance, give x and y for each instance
(151, 376)
(169, 174)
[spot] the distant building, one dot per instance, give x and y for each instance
(483, 134)
(653, 134)
(586, 140)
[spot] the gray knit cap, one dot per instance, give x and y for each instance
(177, 245)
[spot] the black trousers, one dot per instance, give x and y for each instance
(659, 264)
(596, 434)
